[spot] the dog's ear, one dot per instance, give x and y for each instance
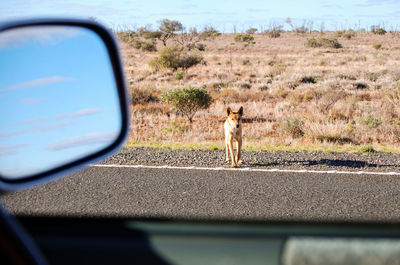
(241, 111)
(228, 111)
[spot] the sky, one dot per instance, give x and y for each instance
(58, 98)
(223, 15)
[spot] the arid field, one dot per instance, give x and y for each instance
(294, 96)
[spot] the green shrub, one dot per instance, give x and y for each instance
(378, 30)
(187, 100)
(180, 75)
(368, 149)
(340, 33)
(371, 121)
(348, 34)
(151, 34)
(323, 42)
(148, 46)
(397, 85)
(274, 31)
(126, 35)
(377, 46)
(143, 45)
(168, 58)
(210, 32)
(244, 37)
(172, 58)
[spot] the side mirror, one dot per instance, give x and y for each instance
(63, 100)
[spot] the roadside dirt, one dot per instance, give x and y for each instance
(382, 162)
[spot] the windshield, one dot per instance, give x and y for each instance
(252, 111)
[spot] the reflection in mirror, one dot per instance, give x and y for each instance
(58, 98)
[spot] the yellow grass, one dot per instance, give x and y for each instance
(354, 101)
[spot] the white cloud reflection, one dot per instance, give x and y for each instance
(44, 35)
(11, 149)
(55, 126)
(37, 82)
(16, 132)
(89, 139)
(79, 113)
(32, 101)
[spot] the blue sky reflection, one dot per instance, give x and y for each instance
(58, 99)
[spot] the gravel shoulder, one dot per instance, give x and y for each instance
(382, 162)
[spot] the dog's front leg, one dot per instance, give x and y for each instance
(227, 149)
(239, 155)
(232, 152)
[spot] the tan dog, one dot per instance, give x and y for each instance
(233, 132)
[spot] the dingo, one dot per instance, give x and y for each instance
(233, 132)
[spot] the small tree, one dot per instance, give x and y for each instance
(188, 39)
(168, 29)
(147, 33)
(210, 32)
(168, 58)
(251, 30)
(274, 31)
(187, 100)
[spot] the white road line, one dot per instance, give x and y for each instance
(253, 169)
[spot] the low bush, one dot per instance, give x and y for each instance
(276, 70)
(172, 58)
(201, 47)
(143, 94)
(188, 60)
(368, 149)
(378, 30)
(180, 75)
(348, 34)
(371, 121)
(360, 85)
(244, 37)
(377, 46)
(292, 127)
(308, 80)
(334, 138)
(210, 32)
(174, 127)
(187, 100)
(147, 46)
(275, 31)
(323, 43)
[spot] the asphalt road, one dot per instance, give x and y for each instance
(211, 194)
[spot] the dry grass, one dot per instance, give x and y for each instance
(292, 94)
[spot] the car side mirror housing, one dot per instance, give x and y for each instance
(63, 101)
